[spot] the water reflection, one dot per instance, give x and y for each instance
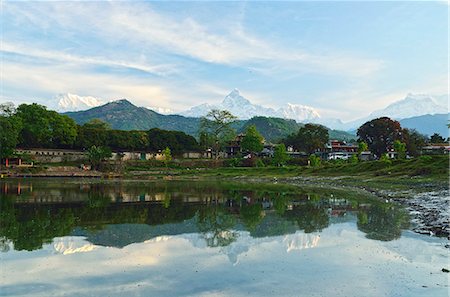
(117, 214)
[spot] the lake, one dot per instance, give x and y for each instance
(74, 237)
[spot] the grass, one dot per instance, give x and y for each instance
(424, 173)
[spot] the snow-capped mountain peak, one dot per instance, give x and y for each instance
(298, 112)
(234, 99)
(242, 108)
(412, 105)
(72, 102)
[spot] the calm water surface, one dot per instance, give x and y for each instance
(115, 238)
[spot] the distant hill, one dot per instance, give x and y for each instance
(428, 124)
(123, 115)
(272, 129)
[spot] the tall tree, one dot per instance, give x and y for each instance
(400, 148)
(309, 138)
(414, 141)
(217, 124)
(280, 155)
(380, 134)
(252, 141)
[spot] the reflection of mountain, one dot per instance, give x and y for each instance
(300, 241)
(70, 245)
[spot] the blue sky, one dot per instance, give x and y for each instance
(345, 59)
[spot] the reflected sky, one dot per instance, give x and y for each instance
(340, 261)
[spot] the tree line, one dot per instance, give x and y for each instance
(33, 126)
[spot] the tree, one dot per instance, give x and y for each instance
(436, 138)
(309, 138)
(98, 154)
(217, 124)
(252, 141)
(280, 156)
(9, 135)
(380, 134)
(414, 142)
(167, 156)
(97, 124)
(63, 130)
(362, 147)
(400, 148)
(45, 128)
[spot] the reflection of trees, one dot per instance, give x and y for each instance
(216, 223)
(251, 215)
(309, 217)
(29, 228)
(383, 222)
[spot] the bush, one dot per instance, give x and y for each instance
(260, 163)
(314, 161)
(385, 159)
(234, 162)
(297, 161)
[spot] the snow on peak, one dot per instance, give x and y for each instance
(72, 102)
(161, 110)
(298, 112)
(242, 108)
(234, 99)
(412, 105)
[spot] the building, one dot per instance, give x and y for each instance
(436, 149)
(233, 148)
(342, 150)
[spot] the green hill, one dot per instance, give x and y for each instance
(123, 115)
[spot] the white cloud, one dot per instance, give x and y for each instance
(137, 25)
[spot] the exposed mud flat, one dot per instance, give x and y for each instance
(430, 212)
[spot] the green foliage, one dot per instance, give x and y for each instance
(380, 134)
(217, 126)
(252, 141)
(309, 138)
(436, 138)
(9, 135)
(385, 159)
(233, 162)
(260, 163)
(400, 148)
(97, 124)
(362, 147)
(272, 129)
(353, 159)
(167, 156)
(177, 141)
(314, 160)
(44, 128)
(98, 154)
(280, 156)
(414, 142)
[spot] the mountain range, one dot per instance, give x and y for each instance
(412, 107)
(242, 108)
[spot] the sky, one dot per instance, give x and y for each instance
(345, 59)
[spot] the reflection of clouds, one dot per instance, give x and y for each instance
(71, 245)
